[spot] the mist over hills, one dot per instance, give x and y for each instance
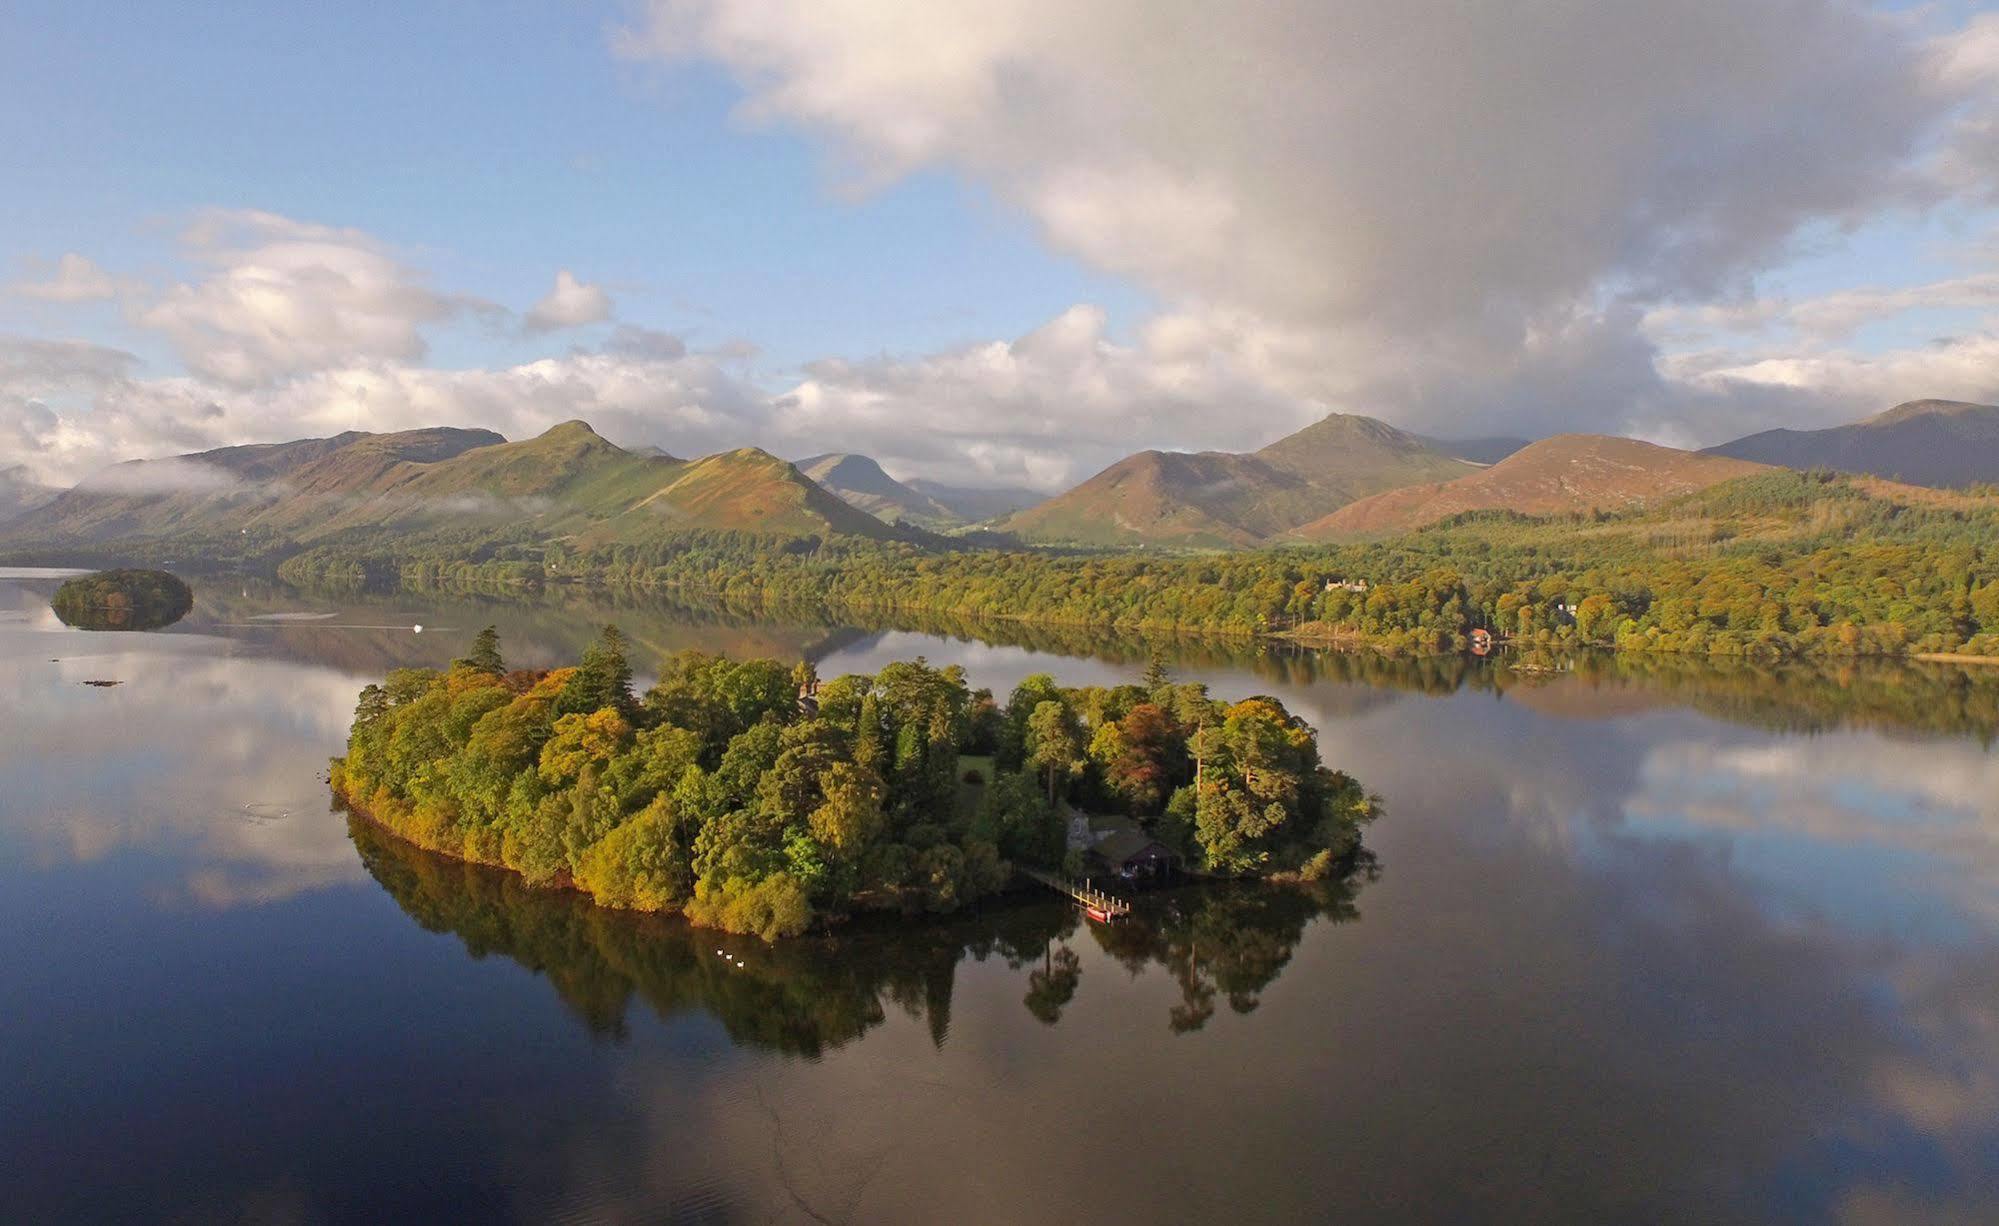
(21, 493)
(1922, 442)
(567, 483)
(976, 504)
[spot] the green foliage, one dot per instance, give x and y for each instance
(717, 794)
(721, 795)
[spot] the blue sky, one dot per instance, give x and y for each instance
(492, 143)
(1001, 244)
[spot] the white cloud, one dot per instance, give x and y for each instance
(1045, 410)
(1450, 214)
(1828, 387)
(75, 278)
(284, 297)
(570, 304)
(689, 403)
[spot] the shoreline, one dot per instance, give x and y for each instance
(1951, 657)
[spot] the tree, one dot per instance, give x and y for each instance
(604, 679)
(485, 654)
(869, 751)
(1134, 754)
(850, 816)
(1054, 743)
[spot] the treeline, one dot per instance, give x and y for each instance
(754, 799)
(1774, 565)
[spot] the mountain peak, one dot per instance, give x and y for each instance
(1348, 444)
(861, 482)
(1913, 409)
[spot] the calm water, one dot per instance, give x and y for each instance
(1653, 942)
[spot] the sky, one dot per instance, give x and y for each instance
(992, 244)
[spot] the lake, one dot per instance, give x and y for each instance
(1645, 940)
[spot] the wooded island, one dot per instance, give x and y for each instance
(753, 798)
(122, 600)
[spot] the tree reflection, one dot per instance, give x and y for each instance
(1053, 984)
(1228, 941)
(811, 995)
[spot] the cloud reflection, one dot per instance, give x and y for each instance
(209, 761)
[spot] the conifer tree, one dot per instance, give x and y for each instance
(485, 654)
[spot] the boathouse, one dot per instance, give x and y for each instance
(1134, 855)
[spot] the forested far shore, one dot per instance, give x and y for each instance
(753, 798)
(1781, 564)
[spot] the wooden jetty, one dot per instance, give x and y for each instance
(1100, 905)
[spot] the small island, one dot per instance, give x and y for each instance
(122, 600)
(751, 797)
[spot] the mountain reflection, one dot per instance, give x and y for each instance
(807, 996)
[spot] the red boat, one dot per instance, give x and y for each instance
(1098, 914)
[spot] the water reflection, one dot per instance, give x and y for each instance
(806, 996)
(208, 763)
(1654, 940)
(369, 631)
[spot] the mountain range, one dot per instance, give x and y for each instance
(567, 483)
(1213, 499)
(1342, 477)
(1923, 442)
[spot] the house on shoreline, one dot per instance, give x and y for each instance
(1121, 848)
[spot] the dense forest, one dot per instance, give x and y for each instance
(122, 600)
(752, 798)
(1768, 566)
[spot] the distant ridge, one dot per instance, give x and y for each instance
(975, 504)
(21, 493)
(1922, 442)
(1566, 473)
(1219, 499)
(1489, 450)
(861, 482)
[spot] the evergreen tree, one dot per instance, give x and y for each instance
(869, 752)
(603, 679)
(1054, 743)
(485, 654)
